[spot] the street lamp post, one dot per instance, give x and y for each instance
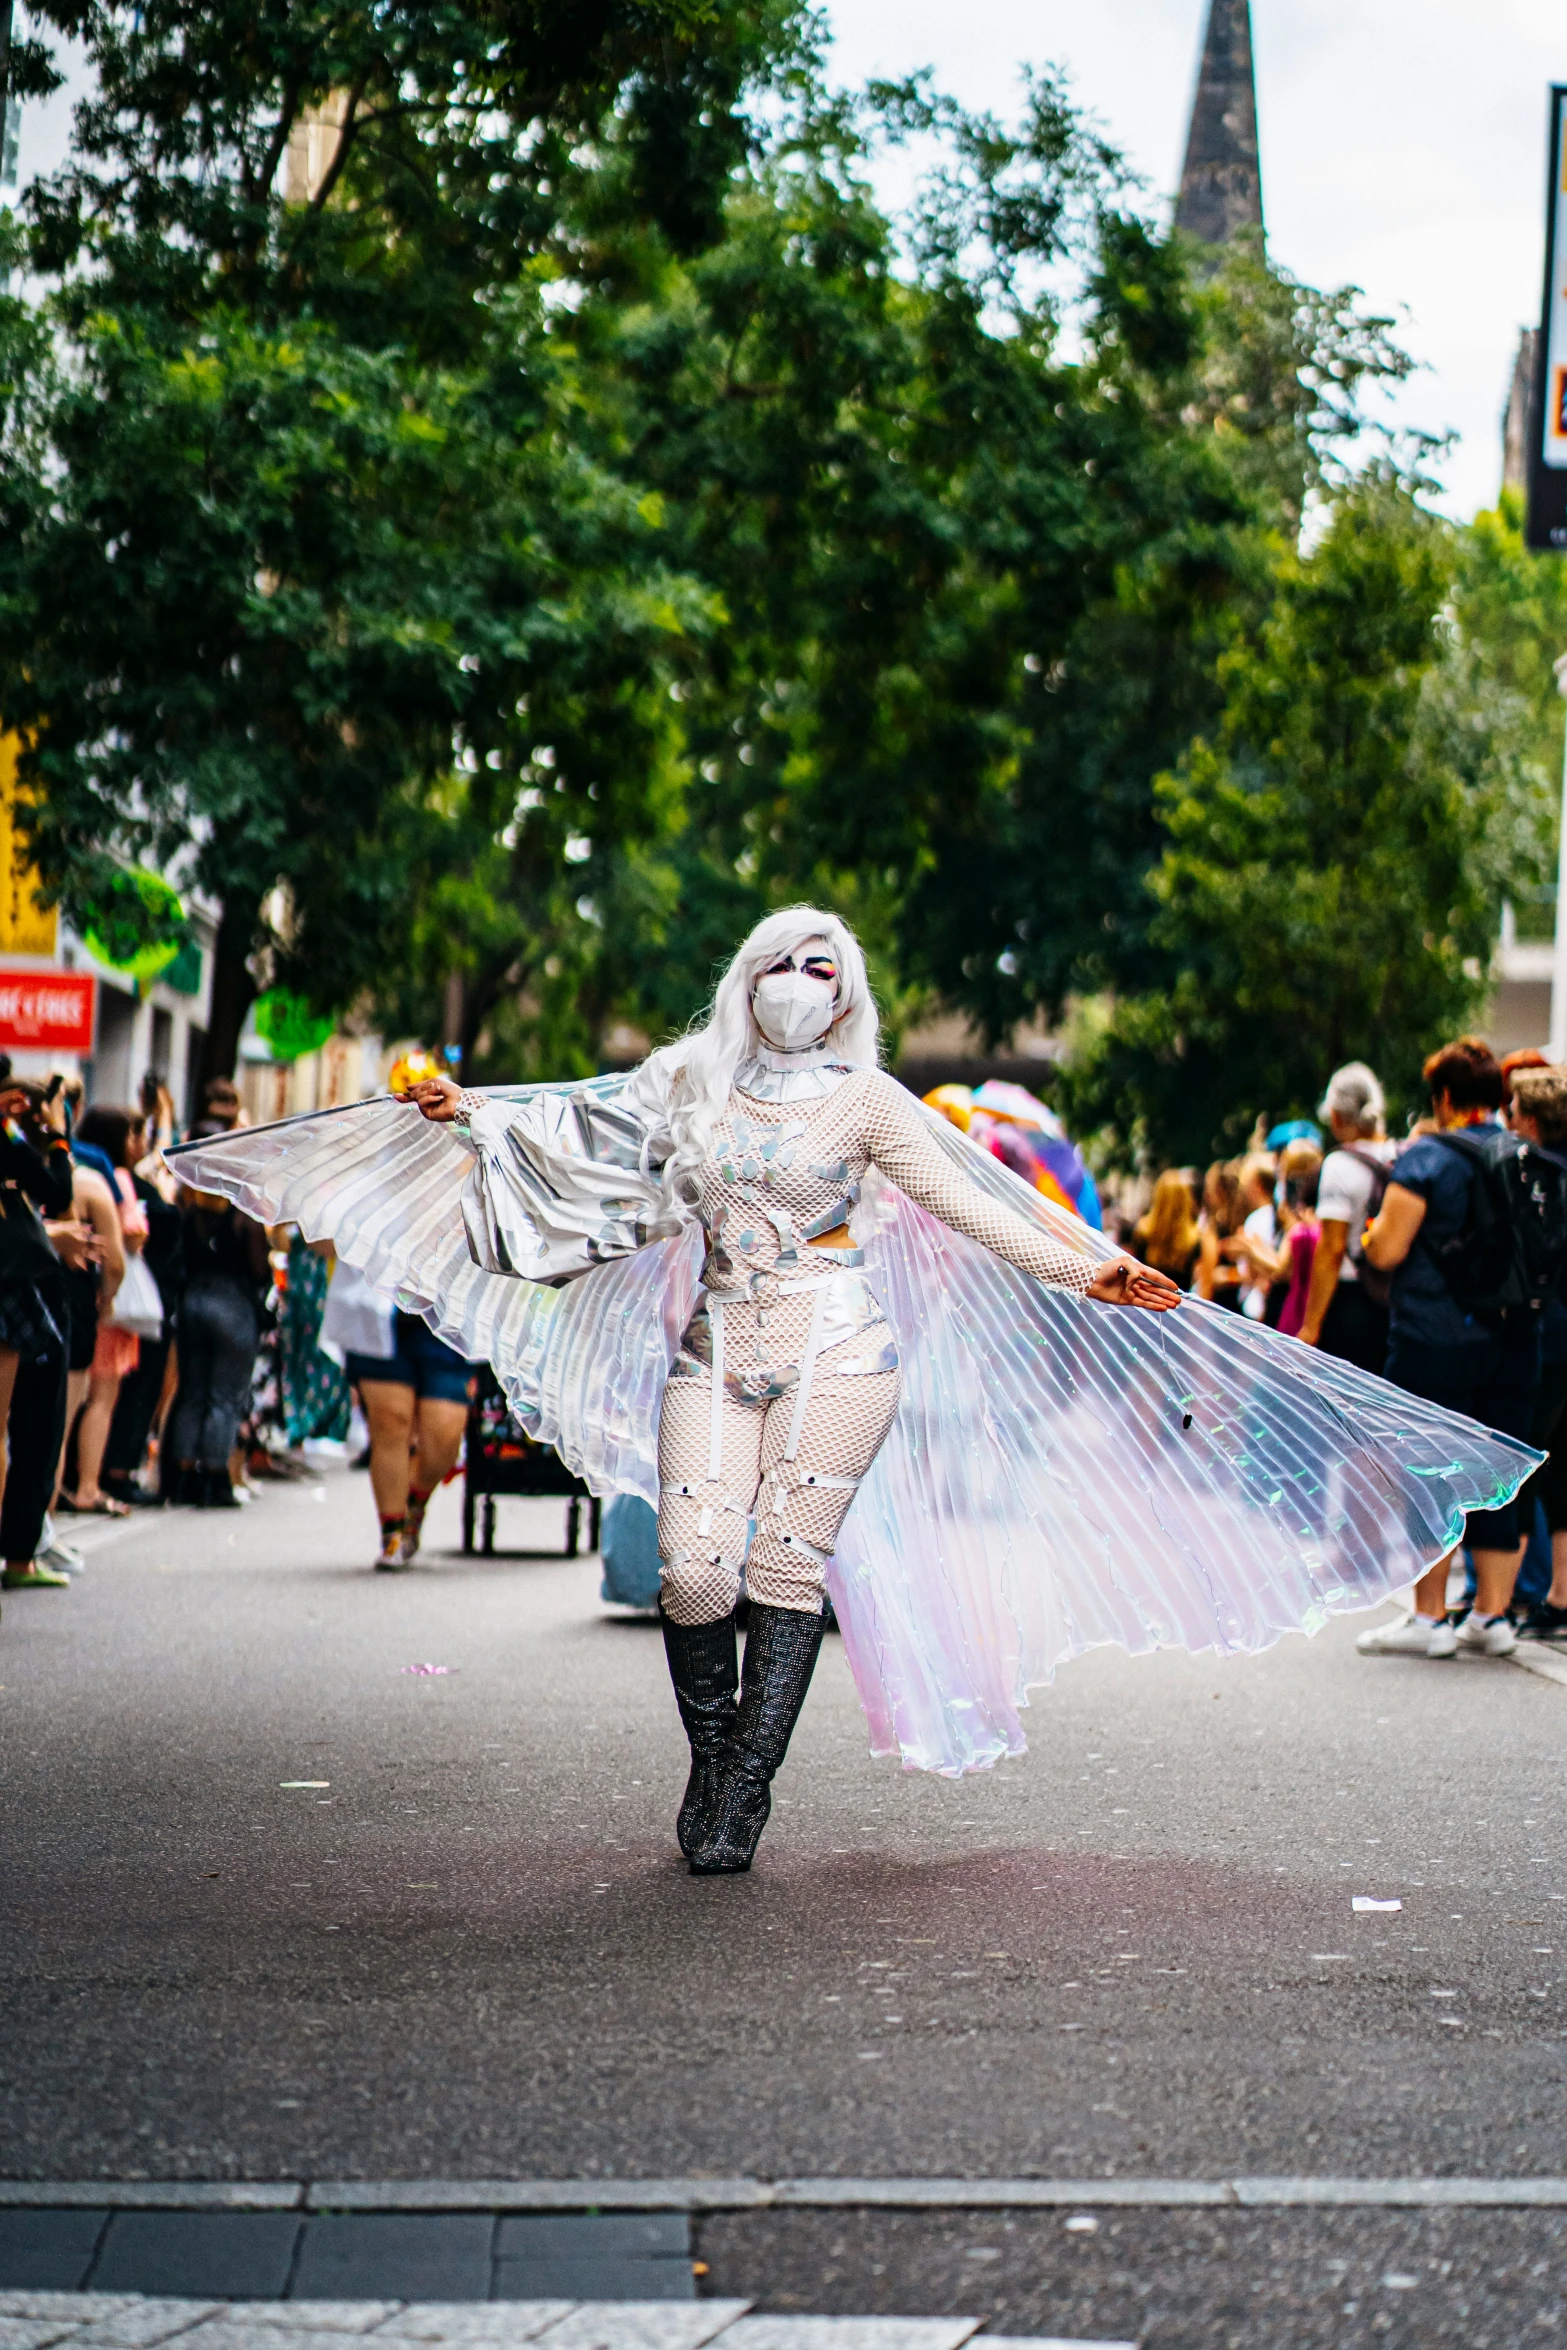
(1556, 1048)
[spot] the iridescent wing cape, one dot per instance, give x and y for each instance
(1060, 1473)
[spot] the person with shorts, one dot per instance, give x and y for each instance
(416, 1405)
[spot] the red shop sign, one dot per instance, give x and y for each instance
(48, 1011)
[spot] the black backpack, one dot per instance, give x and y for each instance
(1375, 1285)
(1512, 1250)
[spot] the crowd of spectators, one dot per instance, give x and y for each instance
(130, 1317)
(1364, 1247)
(132, 1311)
(157, 1345)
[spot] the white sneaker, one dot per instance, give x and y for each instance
(1408, 1636)
(1494, 1639)
(61, 1557)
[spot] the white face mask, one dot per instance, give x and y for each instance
(792, 1009)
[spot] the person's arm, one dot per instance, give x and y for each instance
(1207, 1261)
(899, 1142)
(1389, 1240)
(96, 1205)
(36, 1156)
(1332, 1241)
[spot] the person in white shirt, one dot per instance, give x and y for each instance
(1346, 1315)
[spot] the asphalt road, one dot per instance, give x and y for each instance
(475, 1952)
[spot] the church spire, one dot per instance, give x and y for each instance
(1221, 179)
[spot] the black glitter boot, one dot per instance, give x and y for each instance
(781, 1648)
(703, 1669)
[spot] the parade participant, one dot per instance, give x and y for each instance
(757, 1282)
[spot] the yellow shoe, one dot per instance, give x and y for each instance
(35, 1578)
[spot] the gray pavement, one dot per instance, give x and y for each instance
(474, 1952)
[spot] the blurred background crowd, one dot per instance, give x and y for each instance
(159, 1346)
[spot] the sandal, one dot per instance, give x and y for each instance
(104, 1507)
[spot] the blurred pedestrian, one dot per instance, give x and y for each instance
(134, 1311)
(1486, 1365)
(1300, 1172)
(1539, 1115)
(1167, 1236)
(415, 1397)
(313, 1385)
(1254, 1249)
(38, 1233)
(147, 1391)
(227, 1277)
(91, 1290)
(1218, 1277)
(1347, 1310)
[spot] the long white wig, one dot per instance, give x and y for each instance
(691, 1078)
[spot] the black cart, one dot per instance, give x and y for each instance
(500, 1457)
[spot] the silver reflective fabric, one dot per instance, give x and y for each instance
(1061, 1474)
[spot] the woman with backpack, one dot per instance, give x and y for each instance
(1447, 1342)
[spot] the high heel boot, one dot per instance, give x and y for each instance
(703, 1669)
(781, 1648)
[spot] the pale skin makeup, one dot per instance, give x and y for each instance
(1387, 1243)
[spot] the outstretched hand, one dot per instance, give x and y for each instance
(435, 1098)
(1124, 1282)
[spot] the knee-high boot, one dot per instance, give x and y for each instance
(781, 1648)
(703, 1669)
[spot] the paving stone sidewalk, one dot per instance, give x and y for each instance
(133, 2321)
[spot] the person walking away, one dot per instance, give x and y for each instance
(1539, 1116)
(1218, 1277)
(117, 1349)
(1167, 1237)
(1347, 1310)
(1483, 1363)
(415, 1400)
(35, 1185)
(227, 1277)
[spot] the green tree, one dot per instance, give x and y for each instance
(297, 534)
(1333, 856)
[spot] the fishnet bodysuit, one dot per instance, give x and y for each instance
(787, 1378)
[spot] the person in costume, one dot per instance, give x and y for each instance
(787, 1375)
(835, 1340)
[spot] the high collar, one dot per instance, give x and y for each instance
(770, 1076)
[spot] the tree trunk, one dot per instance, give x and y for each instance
(233, 989)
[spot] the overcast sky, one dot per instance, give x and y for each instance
(1402, 150)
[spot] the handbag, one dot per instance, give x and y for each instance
(137, 1306)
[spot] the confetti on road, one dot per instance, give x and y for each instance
(304, 1782)
(1363, 1901)
(425, 1670)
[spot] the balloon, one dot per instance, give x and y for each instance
(118, 934)
(286, 1022)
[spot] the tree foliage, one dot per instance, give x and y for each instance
(494, 500)
(1328, 885)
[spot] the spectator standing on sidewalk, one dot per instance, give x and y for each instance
(1539, 1116)
(1486, 1366)
(1218, 1276)
(1347, 1307)
(1167, 1236)
(37, 1230)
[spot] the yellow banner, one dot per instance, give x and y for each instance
(26, 927)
